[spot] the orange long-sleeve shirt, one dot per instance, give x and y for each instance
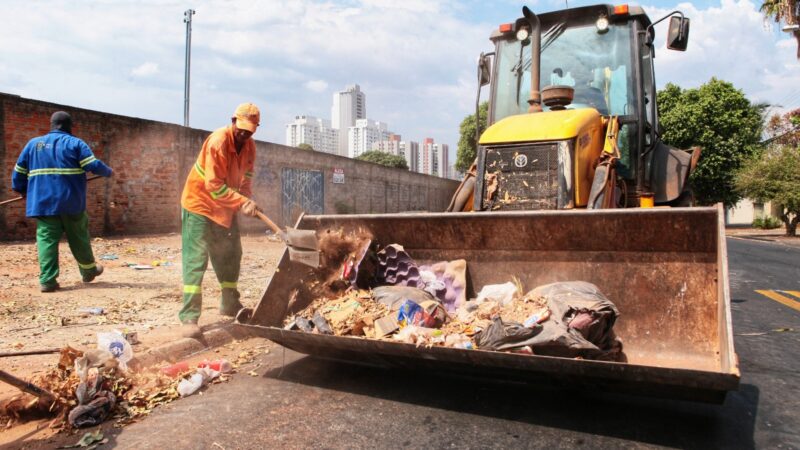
(219, 183)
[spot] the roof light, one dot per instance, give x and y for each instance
(523, 33)
(506, 27)
(621, 9)
(602, 24)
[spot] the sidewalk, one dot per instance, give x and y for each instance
(775, 235)
(144, 300)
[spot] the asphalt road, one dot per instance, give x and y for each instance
(311, 403)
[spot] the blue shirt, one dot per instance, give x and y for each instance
(51, 171)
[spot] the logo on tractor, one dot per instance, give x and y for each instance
(521, 161)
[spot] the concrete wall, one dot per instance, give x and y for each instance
(746, 211)
(151, 160)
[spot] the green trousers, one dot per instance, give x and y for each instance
(49, 230)
(202, 239)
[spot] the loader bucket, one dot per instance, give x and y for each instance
(665, 269)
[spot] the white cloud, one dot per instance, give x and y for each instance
(730, 42)
(316, 85)
(145, 70)
(415, 60)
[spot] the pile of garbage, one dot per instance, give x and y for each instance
(89, 387)
(384, 294)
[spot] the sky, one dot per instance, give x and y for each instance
(414, 59)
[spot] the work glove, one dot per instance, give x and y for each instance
(249, 208)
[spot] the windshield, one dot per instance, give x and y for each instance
(597, 65)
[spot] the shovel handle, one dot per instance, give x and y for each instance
(16, 199)
(269, 223)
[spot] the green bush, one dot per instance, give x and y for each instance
(767, 223)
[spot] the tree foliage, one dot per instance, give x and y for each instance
(383, 158)
(467, 146)
(305, 146)
(785, 11)
(775, 177)
(784, 129)
(723, 122)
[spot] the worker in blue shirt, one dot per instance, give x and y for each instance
(51, 174)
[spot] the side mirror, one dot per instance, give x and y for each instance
(678, 33)
(484, 69)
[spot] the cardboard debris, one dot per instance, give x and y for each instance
(386, 326)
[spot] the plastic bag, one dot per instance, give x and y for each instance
(394, 296)
(114, 342)
(429, 314)
(505, 335)
(502, 293)
(189, 386)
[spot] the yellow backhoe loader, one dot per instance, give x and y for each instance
(560, 192)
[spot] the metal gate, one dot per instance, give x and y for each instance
(303, 191)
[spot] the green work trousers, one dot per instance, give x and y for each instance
(202, 238)
(49, 230)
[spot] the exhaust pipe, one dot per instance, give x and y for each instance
(535, 101)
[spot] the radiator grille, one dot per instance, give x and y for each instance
(526, 177)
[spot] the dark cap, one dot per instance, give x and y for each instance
(61, 120)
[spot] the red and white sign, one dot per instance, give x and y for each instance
(338, 175)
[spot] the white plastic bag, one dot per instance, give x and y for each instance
(114, 342)
(189, 386)
(502, 293)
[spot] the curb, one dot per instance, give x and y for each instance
(183, 348)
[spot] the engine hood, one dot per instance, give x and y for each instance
(543, 126)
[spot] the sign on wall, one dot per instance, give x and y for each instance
(338, 175)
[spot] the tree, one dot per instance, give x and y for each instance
(785, 129)
(467, 146)
(305, 146)
(775, 177)
(786, 11)
(386, 159)
(724, 123)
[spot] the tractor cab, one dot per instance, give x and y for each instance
(595, 62)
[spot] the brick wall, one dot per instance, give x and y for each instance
(151, 160)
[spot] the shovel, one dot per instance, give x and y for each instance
(303, 245)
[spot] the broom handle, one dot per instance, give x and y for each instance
(269, 223)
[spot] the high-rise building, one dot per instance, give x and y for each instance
(349, 106)
(410, 151)
(426, 156)
(395, 146)
(365, 133)
(441, 160)
(454, 174)
(313, 131)
(433, 158)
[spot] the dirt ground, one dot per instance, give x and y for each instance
(145, 301)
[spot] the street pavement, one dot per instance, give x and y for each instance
(302, 402)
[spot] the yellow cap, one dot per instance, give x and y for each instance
(247, 117)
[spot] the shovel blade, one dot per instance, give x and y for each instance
(308, 257)
(302, 239)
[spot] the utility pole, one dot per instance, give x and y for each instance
(187, 19)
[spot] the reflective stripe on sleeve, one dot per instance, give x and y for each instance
(87, 160)
(248, 174)
(20, 169)
(200, 170)
(219, 192)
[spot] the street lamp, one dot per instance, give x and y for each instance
(187, 19)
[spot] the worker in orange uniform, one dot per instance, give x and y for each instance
(219, 185)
